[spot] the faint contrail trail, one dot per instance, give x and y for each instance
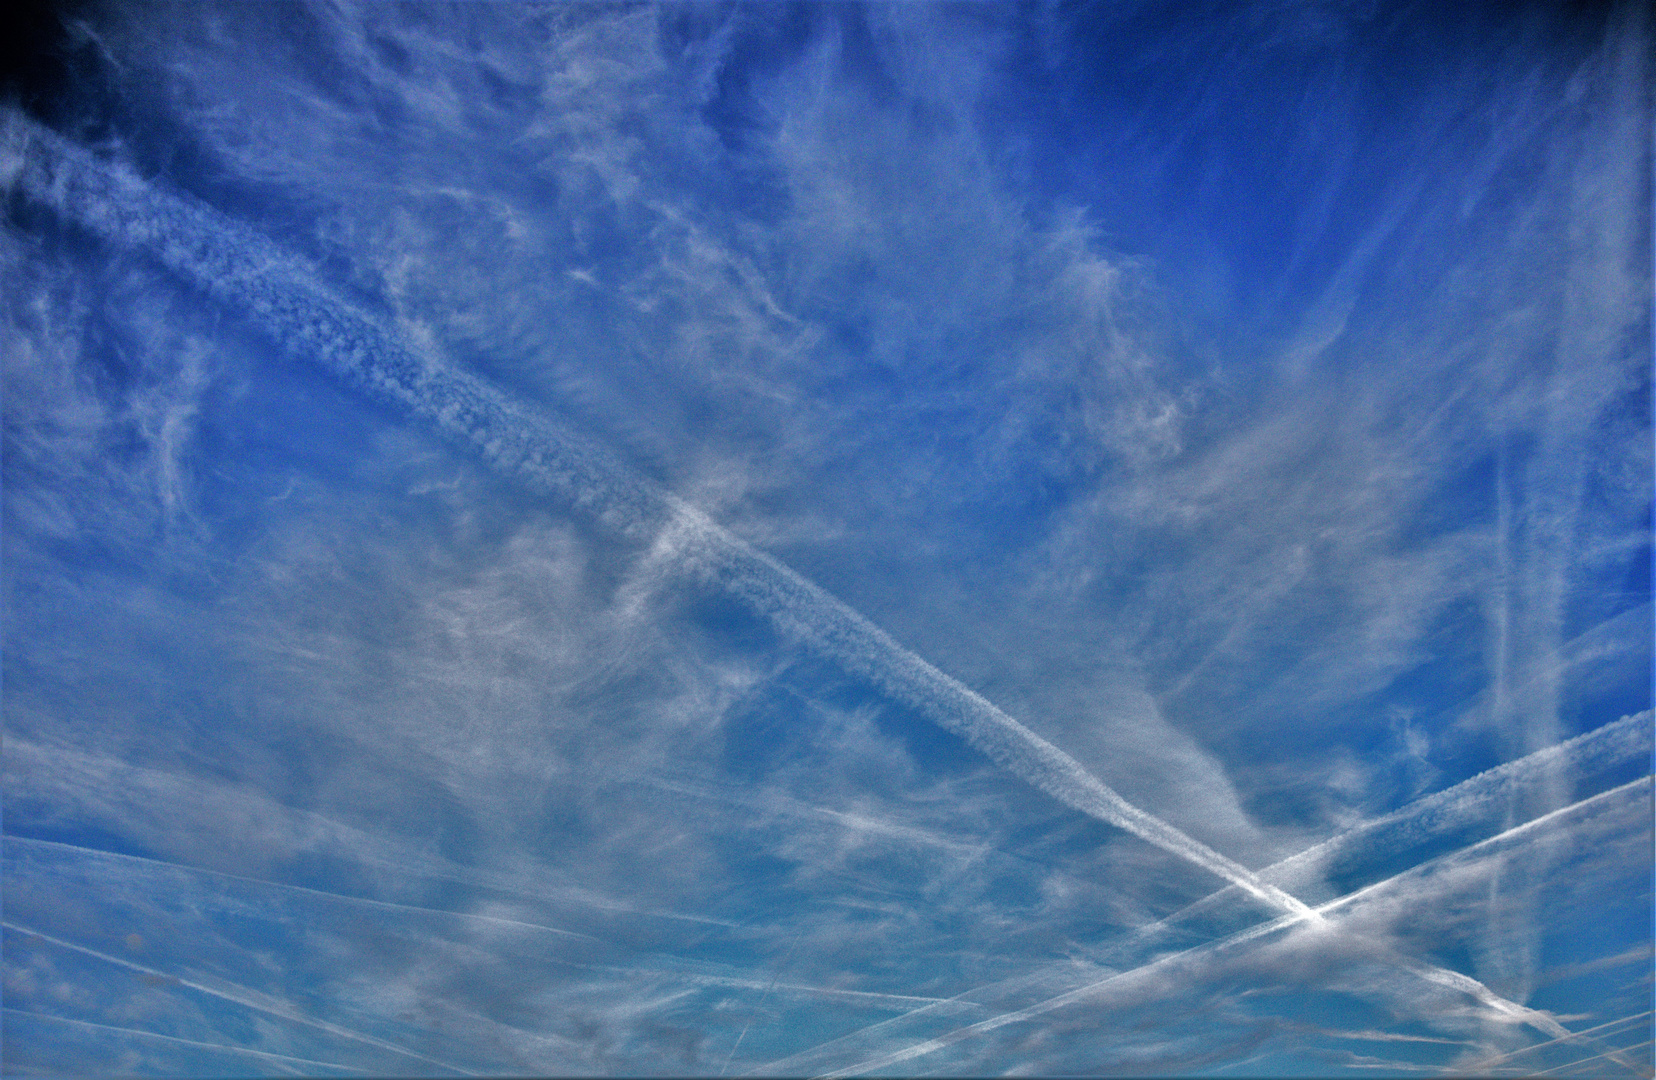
(1122, 980)
(892, 1001)
(281, 295)
(241, 996)
(227, 1048)
(1480, 1066)
(341, 898)
(1617, 1056)
(72, 775)
(1614, 744)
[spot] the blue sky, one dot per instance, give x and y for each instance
(828, 539)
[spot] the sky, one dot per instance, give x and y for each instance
(899, 539)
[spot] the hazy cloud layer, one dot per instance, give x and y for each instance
(703, 539)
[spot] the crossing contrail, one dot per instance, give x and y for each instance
(1602, 1029)
(1122, 981)
(283, 297)
(106, 787)
(324, 894)
(36, 1017)
(241, 996)
(1478, 798)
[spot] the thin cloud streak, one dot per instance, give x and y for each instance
(70, 777)
(223, 1047)
(245, 998)
(331, 896)
(861, 997)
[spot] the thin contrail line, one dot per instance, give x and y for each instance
(699, 978)
(1615, 743)
(247, 999)
(334, 896)
(176, 1039)
(96, 770)
(775, 978)
(1614, 1055)
(784, 804)
(1479, 1065)
(239, 267)
(1453, 981)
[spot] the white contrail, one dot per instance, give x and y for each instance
(342, 898)
(91, 782)
(225, 1047)
(241, 996)
(1479, 799)
(1617, 743)
(244, 270)
(1484, 796)
(855, 997)
(868, 998)
(1481, 1066)
(1614, 1055)
(1440, 976)
(880, 1000)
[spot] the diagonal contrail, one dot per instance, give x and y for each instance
(245, 998)
(225, 1047)
(1469, 802)
(889, 1001)
(1480, 1066)
(1614, 1055)
(284, 298)
(1475, 800)
(342, 898)
(1123, 980)
(70, 774)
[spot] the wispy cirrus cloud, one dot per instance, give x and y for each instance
(1274, 490)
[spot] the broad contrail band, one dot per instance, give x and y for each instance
(284, 298)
